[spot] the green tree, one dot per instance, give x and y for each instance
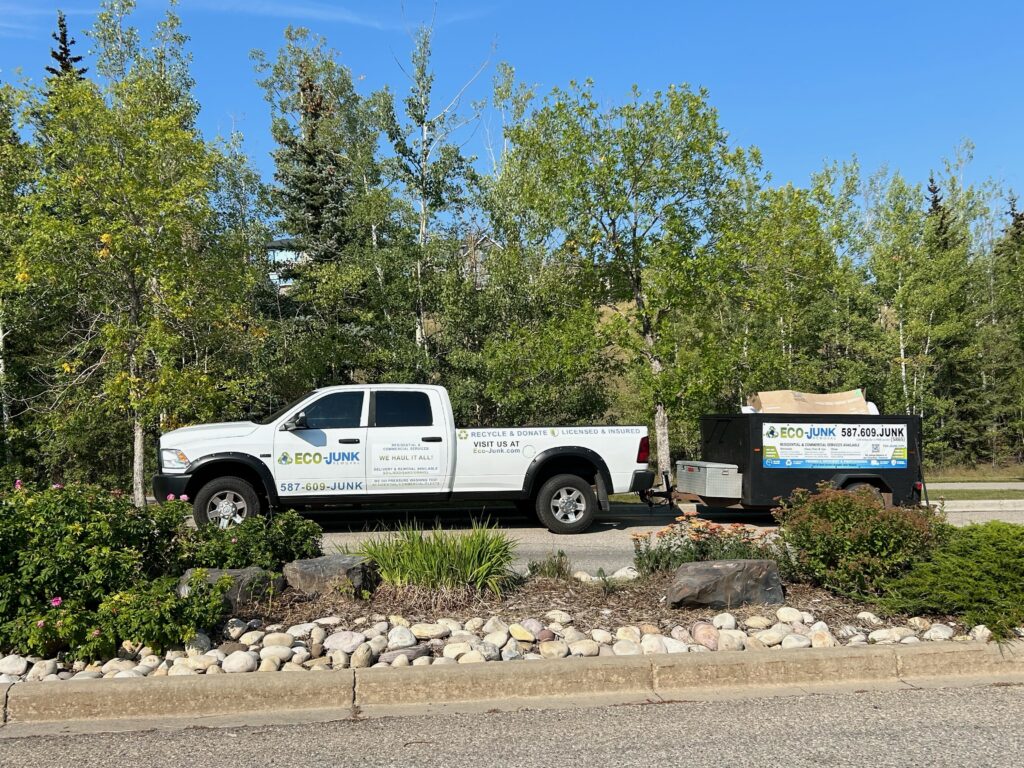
(65, 61)
(639, 193)
(121, 221)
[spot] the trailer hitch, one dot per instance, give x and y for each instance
(650, 494)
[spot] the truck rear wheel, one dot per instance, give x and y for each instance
(566, 504)
(862, 487)
(225, 502)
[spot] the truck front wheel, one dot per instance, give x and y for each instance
(225, 502)
(566, 504)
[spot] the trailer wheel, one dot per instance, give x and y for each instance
(566, 504)
(876, 494)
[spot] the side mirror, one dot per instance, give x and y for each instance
(298, 422)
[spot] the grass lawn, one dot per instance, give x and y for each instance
(960, 494)
(985, 473)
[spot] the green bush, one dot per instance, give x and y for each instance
(267, 542)
(977, 574)
(64, 554)
(479, 560)
(690, 539)
(850, 543)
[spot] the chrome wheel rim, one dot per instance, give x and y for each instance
(227, 508)
(568, 504)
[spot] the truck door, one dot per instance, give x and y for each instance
(322, 452)
(406, 442)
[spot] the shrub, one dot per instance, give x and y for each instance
(690, 539)
(850, 543)
(977, 574)
(478, 560)
(65, 556)
(267, 542)
(555, 566)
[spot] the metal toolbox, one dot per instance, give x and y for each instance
(709, 479)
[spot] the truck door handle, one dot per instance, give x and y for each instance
(431, 439)
(349, 440)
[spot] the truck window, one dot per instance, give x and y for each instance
(339, 410)
(402, 409)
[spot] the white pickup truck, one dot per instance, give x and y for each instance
(390, 442)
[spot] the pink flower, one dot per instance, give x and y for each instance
(183, 497)
(40, 624)
(55, 602)
(170, 497)
(95, 633)
(57, 486)
(18, 485)
(234, 540)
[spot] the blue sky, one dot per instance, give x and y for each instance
(896, 83)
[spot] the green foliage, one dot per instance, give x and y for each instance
(478, 560)
(66, 553)
(850, 543)
(266, 542)
(691, 539)
(555, 566)
(976, 574)
(82, 569)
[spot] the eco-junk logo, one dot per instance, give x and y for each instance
(771, 432)
(463, 434)
(284, 458)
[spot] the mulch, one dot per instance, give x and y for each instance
(591, 605)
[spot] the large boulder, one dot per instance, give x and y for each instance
(318, 575)
(725, 584)
(248, 585)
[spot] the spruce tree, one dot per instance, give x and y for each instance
(66, 61)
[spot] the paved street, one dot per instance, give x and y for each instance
(934, 728)
(607, 545)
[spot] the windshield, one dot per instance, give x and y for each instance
(282, 411)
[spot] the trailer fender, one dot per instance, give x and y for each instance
(847, 479)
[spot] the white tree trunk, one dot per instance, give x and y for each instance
(661, 438)
(138, 462)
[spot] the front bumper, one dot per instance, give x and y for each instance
(643, 480)
(167, 485)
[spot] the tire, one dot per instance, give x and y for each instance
(860, 487)
(209, 505)
(566, 504)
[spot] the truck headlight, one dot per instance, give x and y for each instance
(173, 460)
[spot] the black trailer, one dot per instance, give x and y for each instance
(752, 460)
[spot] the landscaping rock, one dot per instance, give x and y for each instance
(400, 637)
(584, 647)
(725, 584)
(561, 617)
(628, 633)
(822, 638)
(626, 648)
(252, 637)
(981, 633)
(497, 639)
(472, 657)
(771, 637)
(675, 646)
(651, 644)
(545, 635)
(278, 638)
(724, 621)
(455, 650)
(430, 631)
(489, 651)
(269, 664)
(494, 624)
(788, 615)
(602, 636)
(362, 657)
(345, 640)
(512, 651)
(731, 640)
(13, 665)
(248, 585)
(413, 653)
(869, 618)
(318, 575)
(796, 641)
(682, 634)
(757, 622)
(521, 633)
(239, 661)
(531, 625)
(235, 628)
(281, 653)
(705, 634)
(625, 574)
(939, 632)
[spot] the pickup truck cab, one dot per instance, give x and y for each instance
(361, 444)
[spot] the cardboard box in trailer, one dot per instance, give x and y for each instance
(753, 459)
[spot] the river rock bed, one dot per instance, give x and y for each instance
(377, 641)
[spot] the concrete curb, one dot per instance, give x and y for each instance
(502, 685)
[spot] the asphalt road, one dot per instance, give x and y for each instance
(914, 727)
(608, 545)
